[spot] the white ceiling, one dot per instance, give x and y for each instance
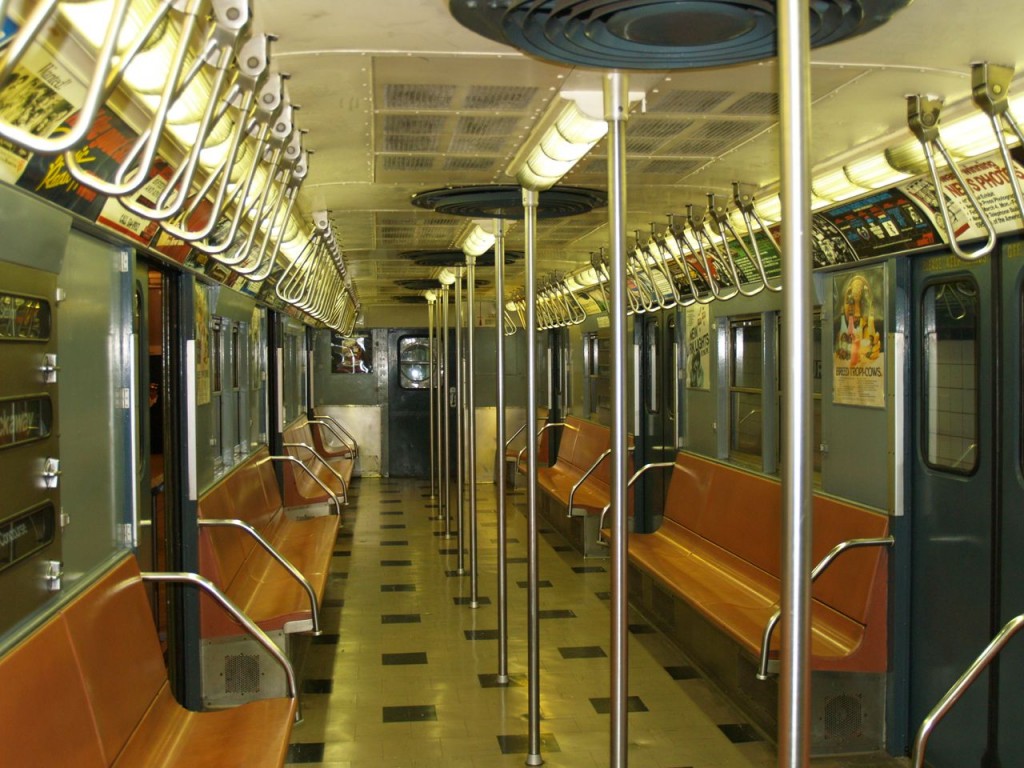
(398, 98)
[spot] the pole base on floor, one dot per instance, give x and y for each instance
(503, 679)
(534, 760)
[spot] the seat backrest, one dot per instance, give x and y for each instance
(591, 441)
(44, 705)
(115, 641)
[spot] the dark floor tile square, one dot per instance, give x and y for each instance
(395, 563)
(452, 573)
(415, 714)
(603, 595)
(392, 526)
(326, 639)
(683, 673)
(481, 634)
(391, 490)
(518, 560)
(397, 587)
(583, 652)
(519, 743)
(314, 685)
(603, 705)
(335, 602)
(401, 659)
(399, 618)
(395, 543)
(451, 551)
(343, 553)
(563, 548)
(468, 600)
(491, 681)
(541, 584)
(339, 574)
(345, 535)
(589, 569)
(545, 530)
(507, 541)
(387, 512)
(432, 505)
(740, 733)
(556, 613)
(390, 501)
(642, 629)
(312, 752)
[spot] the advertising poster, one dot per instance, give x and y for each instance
(858, 360)
(351, 354)
(202, 310)
(36, 97)
(887, 222)
(698, 347)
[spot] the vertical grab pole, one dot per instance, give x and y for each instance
(616, 102)
(439, 403)
(474, 582)
(446, 410)
(460, 422)
(432, 388)
(499, 329)
(533, 756)
(794, 682)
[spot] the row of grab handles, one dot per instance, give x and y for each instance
(238, 208)
(694, 261)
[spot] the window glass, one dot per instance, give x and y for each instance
(414, 362)
(950, 372)
(745, 385)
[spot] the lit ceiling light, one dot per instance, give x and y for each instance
(477, 241)
(874, 172)
(563, 144)
(836, 187)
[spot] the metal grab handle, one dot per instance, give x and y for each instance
(745, 205)
(572, 493)
(98, 81)
(317, 480)
(138, 163)
(281, 559)
(717, 215)
(629, 484)
(322, 460)
(508, 322)
(515, 434)
(324, 417)
(237, 614)
(991, 90)
(953, 695)
(923, 119)
(826, 561)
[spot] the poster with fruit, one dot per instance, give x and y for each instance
(858, 359)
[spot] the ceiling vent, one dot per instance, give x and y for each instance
(659, 34)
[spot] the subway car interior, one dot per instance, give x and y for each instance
(466, 383)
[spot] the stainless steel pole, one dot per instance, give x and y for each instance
(432, 387)
(446, 408)
(616, 103)
(439, 405)
(474, 581)
(794, 105)
(460, 424)
(499, 326)
(533, 757)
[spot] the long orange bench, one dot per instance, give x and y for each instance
(718, 549)
(318, 476)
(89, 688)
(280, 592)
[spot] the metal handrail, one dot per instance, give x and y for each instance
(923, 119)
(745, 205)
(308, 471)
(515, 434)
(629, 484)
(825, 562)
(572, 493)
(250, 626)
(540, 432)
(322, 460)
(353, 451)
(270, 550)
(953, 695)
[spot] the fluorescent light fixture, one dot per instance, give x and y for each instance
(430, 296)
(446, 277)
(567, 139)
(477, 241)
(836, 187)
(874, 172)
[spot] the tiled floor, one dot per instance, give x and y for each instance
(404, 676)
